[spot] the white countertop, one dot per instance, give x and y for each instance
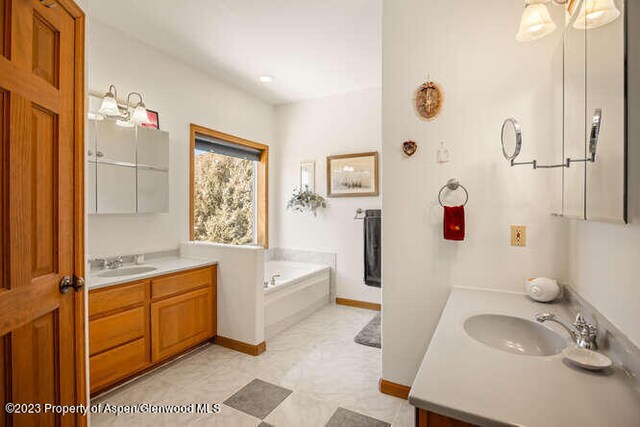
(163, 265)
(465, 379)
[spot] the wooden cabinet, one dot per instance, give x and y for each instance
(137, 325)
(431, 419)
(180, 322)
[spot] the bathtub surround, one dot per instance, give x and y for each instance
(312, 257)
(182, 95)
(240, 289)
(293, 291)
(312, 131)
(487, 76)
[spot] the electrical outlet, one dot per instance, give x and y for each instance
(518, 235)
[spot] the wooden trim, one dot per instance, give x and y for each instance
(263, 178)
(242, 347)
(394, 389)
(359, 304)
(349, 156)
(79, 213)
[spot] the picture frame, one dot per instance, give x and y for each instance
(353, 175)
(308, 175)
(154, 120)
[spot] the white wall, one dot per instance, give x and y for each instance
(182, 96)
(604, 256)
(469, 47)
(313, 130)
(240, 291)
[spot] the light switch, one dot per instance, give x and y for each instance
(518, 235)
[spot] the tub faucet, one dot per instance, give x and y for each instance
(582, 332)
(273, 279)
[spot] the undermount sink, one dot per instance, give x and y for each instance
(514, 335)
(127, 271)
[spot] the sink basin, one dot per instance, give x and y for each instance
(127, 271)
(514, 335)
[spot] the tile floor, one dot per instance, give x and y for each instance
(312, 374)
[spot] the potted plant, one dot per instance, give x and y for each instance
(306, 201)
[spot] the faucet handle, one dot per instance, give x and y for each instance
(588, 331)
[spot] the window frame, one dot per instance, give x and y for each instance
(262, 181)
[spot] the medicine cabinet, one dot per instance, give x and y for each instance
(128, 168)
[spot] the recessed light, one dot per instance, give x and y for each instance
(266, 78)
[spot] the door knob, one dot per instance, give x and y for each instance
(66, 284)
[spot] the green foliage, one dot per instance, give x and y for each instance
(223, 199)
(306, 201)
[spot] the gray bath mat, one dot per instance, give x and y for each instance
(370, 334)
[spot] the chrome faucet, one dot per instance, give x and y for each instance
(273, 279)
(110, 263)
(583, 333)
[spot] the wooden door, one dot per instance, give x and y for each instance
(41, 130)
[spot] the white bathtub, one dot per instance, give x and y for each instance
(300, 289)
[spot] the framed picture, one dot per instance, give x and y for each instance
(154, 119)
(352, 175)
(308, 175)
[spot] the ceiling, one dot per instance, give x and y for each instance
(313, 48)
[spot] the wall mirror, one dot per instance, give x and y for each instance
(308, 175)
(594, 105)
(127, 167)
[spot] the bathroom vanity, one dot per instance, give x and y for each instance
(137, 324)
(482, 371)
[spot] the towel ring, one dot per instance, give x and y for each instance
(453, 184)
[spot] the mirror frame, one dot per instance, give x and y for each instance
(518, 131)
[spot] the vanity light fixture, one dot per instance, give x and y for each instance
(596, 13)
(536, 21)
(111, 108)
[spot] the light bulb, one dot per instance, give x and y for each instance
(140, 115)
(596, 13)
(536, 23)
(109, 106)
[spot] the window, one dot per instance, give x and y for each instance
(228, 188)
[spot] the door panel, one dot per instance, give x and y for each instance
(43, 189)
(4, 27)
(46, 50)
(41, 341)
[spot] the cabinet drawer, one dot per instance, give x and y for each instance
(181, 282)
(116, 298)
(118, 363)
(120, 328)
(181, 322)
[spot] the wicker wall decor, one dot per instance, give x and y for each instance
(429, 100)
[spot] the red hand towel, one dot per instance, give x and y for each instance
(454, 222)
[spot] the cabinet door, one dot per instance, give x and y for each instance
(153, 148)
(115, 143)
(116, 188)
(116, 364)
(180, 322)
(153, 190)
